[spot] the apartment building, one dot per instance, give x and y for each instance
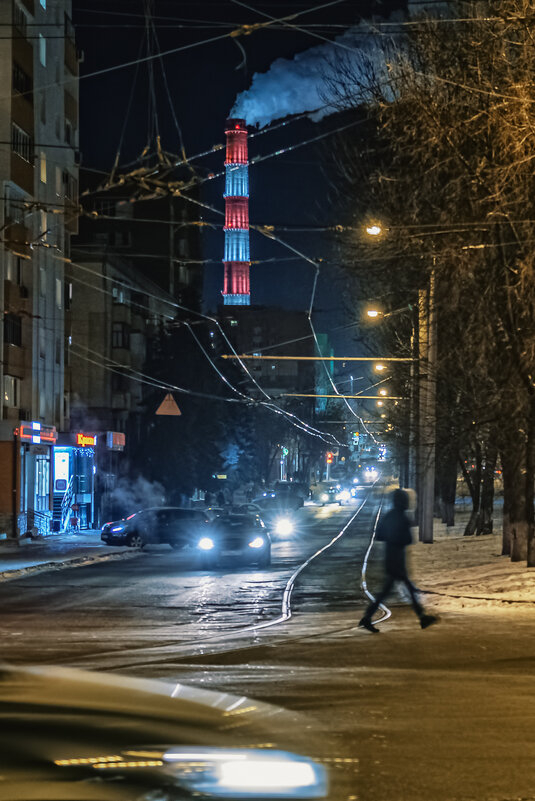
(38, 216)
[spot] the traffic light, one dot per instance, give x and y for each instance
(329, 458)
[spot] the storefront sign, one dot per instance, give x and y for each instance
(115, 440)
(86, 440)
(36, 433)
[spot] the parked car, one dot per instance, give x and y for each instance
(169, 525)
(242, 537)
(71, 735)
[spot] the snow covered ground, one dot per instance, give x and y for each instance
(469, 572)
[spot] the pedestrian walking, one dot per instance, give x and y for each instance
(394, 530)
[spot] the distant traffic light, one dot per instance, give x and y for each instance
(329, 458)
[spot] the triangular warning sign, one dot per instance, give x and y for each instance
(168, 406)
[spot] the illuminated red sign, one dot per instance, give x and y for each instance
(36, 433)
(86, 440)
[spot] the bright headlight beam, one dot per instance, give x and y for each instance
(284, 526)
(256, 775)
(258, 542)
(206, 544)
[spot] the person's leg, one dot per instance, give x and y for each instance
(416, 605)
(385, 591)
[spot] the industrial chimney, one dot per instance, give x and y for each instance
(236, 291)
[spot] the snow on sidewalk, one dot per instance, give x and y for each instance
(469, 573)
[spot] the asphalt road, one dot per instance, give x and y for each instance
(444, 714)
(122, 614)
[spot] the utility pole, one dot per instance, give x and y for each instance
(427, 340)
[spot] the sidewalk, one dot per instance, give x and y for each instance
(55, 552)
(469, 573)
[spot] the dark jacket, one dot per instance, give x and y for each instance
(394, 529)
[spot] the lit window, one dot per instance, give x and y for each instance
(42, 49)
(59, 293)
(43, 4)
(11, 391)
(43, 168)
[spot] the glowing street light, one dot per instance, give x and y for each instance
(383, 392)
(380, 403)
(379, 367)
(374, 229)
(373, 313)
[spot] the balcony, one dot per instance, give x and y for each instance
(16, 298)
(16, 236)
(16, 361)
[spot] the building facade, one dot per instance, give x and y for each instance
(38, 205)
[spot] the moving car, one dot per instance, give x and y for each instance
(326, 492)
(241, 537)
(71, 735)
(278, 518)
(169, 525)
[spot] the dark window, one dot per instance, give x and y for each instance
(120, 336)
(21, 143)
(20, 20)
(69, 133)
(21, 81)
(13, 329)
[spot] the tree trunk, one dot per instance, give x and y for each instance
(484, 523)
(473, 482)
(530, 478)
(515, 533)
(448, 488)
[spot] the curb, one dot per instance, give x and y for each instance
(77, 561)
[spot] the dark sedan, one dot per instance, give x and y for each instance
(174, 526)
(240, 538)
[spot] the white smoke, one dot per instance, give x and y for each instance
(305, 83)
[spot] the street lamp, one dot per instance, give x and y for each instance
(374, 229)
(379, 367)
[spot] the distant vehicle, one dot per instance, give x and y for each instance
(169, 525)
(366, 473)
(71, 735)
(242, 537)
(326, 492)
(278, 519)
(293, 489)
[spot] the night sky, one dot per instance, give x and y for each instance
(204, 82)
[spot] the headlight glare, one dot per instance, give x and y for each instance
(117, 528)
(206, 544)
(284, 527)
(258, 542)
(242, 773)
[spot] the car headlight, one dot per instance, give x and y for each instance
(117, 528)
(324, 497)
(284, 527)
(206, 544)
(258, 542)
(242, 773)
(345, 495)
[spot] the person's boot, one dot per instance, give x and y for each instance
(428, 620)
(366, 623)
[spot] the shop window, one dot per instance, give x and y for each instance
(11, 391)
(42, 483)
(120, 335)
(13, 329)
